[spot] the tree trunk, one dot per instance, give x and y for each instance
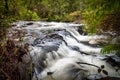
(6, 7)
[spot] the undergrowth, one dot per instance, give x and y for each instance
(12, 63)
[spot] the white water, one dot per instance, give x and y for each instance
(64, 57)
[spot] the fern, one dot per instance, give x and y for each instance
(111, 48)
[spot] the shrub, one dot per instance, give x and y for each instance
(29, 15)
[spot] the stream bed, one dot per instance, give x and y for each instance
(62, 51)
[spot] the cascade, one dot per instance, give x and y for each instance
(60, 52)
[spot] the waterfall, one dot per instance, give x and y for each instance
(60, 52)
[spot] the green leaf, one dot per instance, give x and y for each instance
(111, 48)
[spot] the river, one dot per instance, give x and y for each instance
(61, 51)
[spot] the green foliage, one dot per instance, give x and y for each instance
(56, 10)
(68, 18)
(111, 23)
(49, 10)
(73, 16)
(102, 14)
(5, 22)
(111, 48)
(92, 18)
(91, 12)
(95, 11)
(29, 15)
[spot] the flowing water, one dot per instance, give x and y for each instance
(61, 51)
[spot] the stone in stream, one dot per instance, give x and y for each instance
(51, 39)
(115, 40)
(29, 23)
(113, 62)
(81, 31)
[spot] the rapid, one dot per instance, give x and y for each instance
(61, 51)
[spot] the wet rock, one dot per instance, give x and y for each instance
(81, 31)
(51, 38)
(64, 32)
(115, 40)
(14, 25)
(90, 43)
(49, 43)
(113, 62)
(29, 23)
(93, 42)
(75, 48)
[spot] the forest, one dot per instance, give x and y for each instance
(99, 16)
(94, 13)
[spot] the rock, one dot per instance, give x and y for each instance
(93, 42)
(29, 23)
(14, 25)
(116, 40)
(51, 38)
(81, 31)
